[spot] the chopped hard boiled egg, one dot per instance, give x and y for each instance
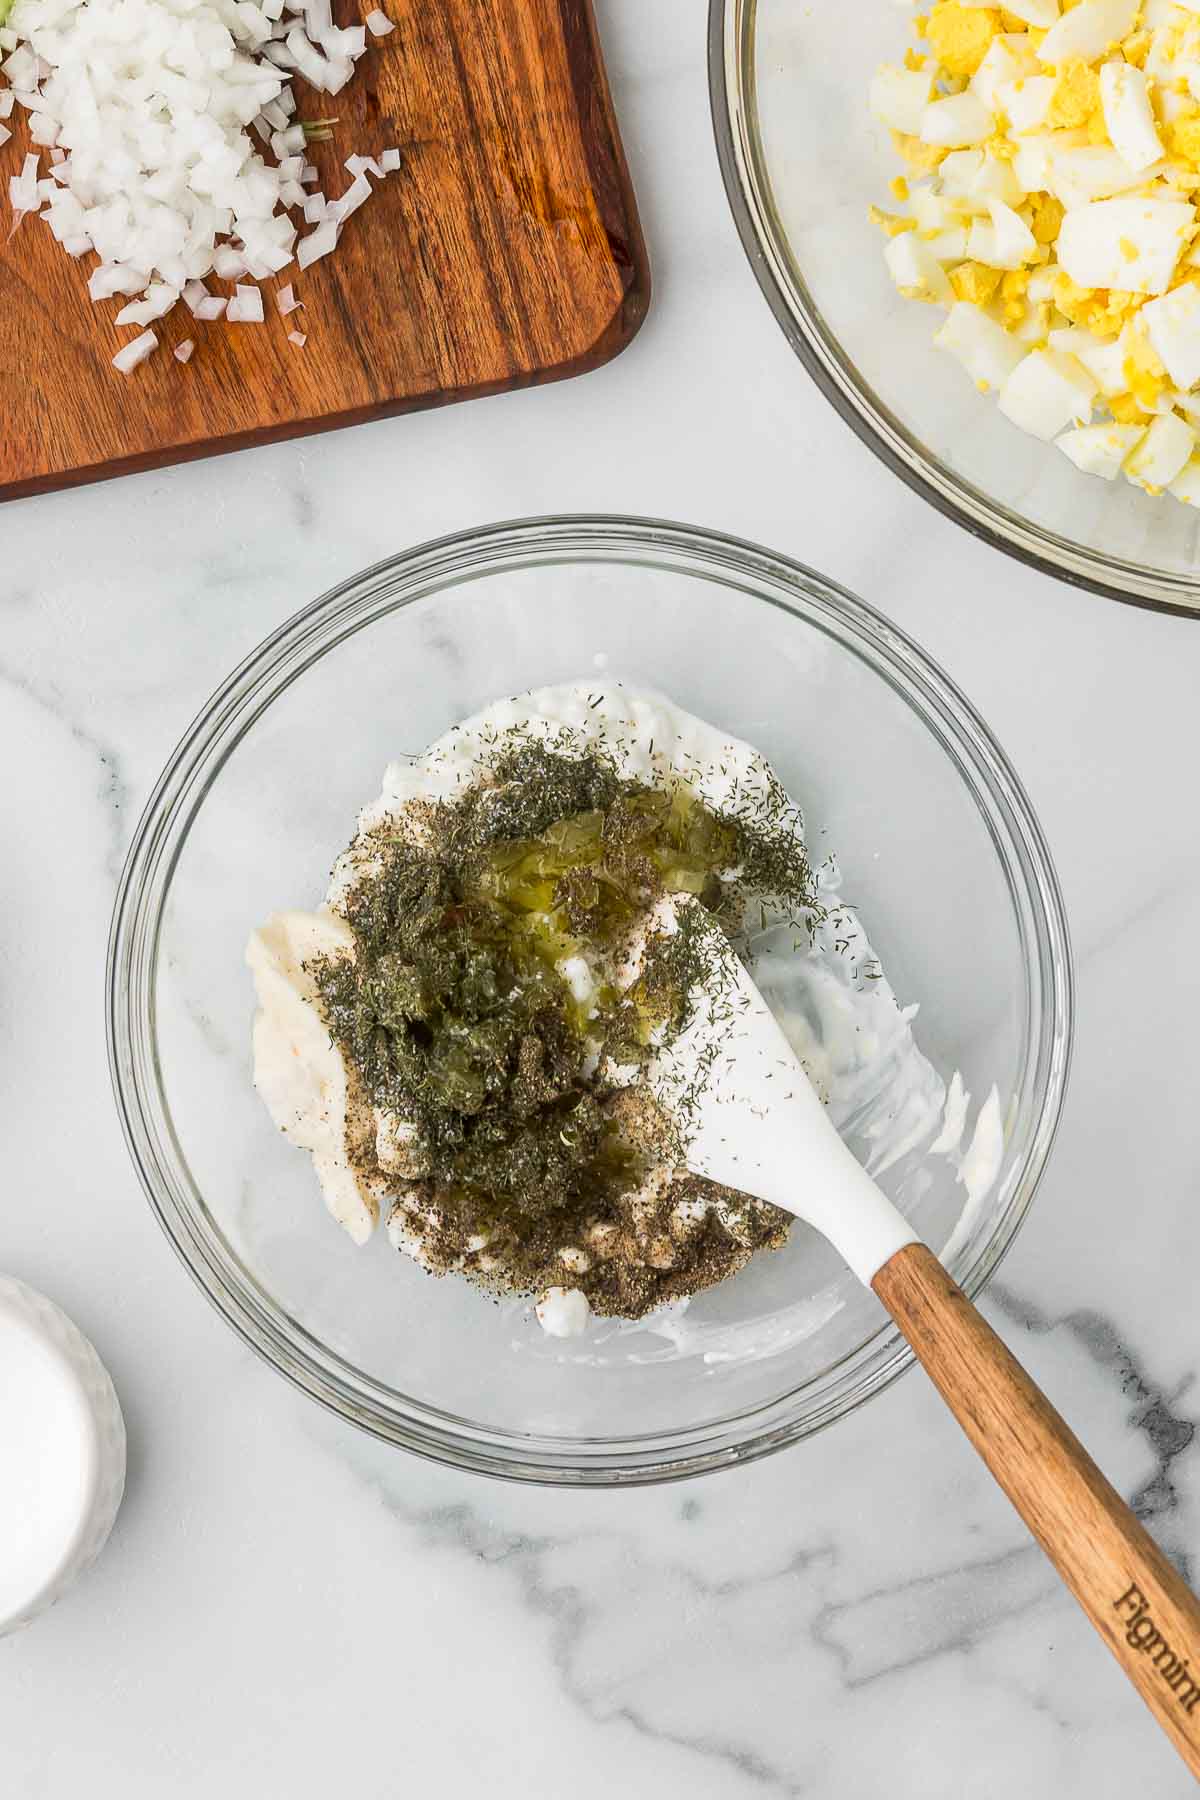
(1186, 485)
(1026, 103)
(1101, 449)
(1162, 453)
(916, 271)
(1132, 244)
(986, 351)
(1103, 358)
(1039, 13)
(1128, 114)
(1050, 207)
(1077, 174)
(1086, 32)
(959, 36)
(1009, 59)
(1046, 392)
(899, 97)
(1172, 325)
(957, 121)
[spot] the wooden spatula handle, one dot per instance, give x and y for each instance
(1145, 1613)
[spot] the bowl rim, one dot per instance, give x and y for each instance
(144, 887)
(747, 187)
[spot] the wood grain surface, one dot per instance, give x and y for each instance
(506, 251)
(1145, 1613)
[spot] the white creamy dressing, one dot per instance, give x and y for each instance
(832, 1000)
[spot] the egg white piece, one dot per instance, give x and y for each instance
(958, 171)
(1046, 392)
(916, 271)
(995, 179)
(1039, 13)
(1077, 174)
(1128, 114)
(949, 246)
(1101, 449)
(986, 351)
(1173, 328)
(1186, 485)
(1041, 285)
(957, 122)
(1033, 161)
(1008, 58)
(899, 97)
(1162, 454)
(1026, 102)
(1103, 358)
(1087, 31)
(1130, 244)
(1014, 242)
(936, 212)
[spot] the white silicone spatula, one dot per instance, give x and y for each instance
(756, 1124)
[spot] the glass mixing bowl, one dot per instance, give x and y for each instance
(940, 851)
(803, 160)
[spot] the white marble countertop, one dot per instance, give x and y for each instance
(287, 1608)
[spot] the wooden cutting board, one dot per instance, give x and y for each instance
(506, 251)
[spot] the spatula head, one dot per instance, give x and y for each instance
(751, 1119)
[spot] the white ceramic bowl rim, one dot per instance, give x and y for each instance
(196, 763)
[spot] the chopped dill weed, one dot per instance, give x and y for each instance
(482, 1014)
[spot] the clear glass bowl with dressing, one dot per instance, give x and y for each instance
(939, 850)
(803, 161)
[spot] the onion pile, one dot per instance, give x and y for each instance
(145, 110)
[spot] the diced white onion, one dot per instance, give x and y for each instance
(148, 110)
(128, 358)
(246, 307)
(318, 243)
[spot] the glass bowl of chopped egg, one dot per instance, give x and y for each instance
(996, 279)
(944, 1068)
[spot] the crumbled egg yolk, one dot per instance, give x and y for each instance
(922, 158)
(1136, 48)
(1183, 138)
(1126, 411)
(1099, 310)
(891, 223)
(1013, 290)
(960, 36)
(1044, 217)
(975, 282)
(1052, 180)
(1075, 99)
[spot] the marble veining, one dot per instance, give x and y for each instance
(1169, 1433)
(287, 1607)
